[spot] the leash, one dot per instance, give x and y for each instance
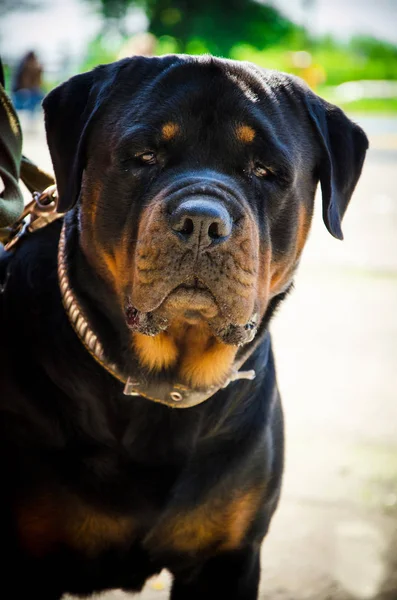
(11, 198)
(14, 167)
(41, 211)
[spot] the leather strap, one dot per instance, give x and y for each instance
(14, 166)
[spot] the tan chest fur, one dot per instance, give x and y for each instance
(51, 521)
(216, 524)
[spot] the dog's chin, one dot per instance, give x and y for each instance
(190, 303)
(194, 305)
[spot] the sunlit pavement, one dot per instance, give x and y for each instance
(334, 536)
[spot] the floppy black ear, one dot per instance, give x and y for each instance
(344, 145)
(69, 110)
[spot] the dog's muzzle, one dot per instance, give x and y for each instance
(205, 268)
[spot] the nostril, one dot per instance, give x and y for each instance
(187, 227)
(213, 231)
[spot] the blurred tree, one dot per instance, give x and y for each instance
(373, 48)
(115, 9)
(114, 13)
(207, 25)
(219, 24)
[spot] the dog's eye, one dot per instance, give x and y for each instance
(260, 171)
(148, 158)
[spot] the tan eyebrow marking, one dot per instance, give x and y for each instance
(245, 133)
(169, 130)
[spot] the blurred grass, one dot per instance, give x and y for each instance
(384, 106)
(336, 63)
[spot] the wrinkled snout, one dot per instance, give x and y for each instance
(197, 257)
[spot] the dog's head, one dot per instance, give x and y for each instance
(194, 178)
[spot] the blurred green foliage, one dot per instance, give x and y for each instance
(361, 58)
(216, 27)
(340, 62)
(99, 52)
(386, 106)
(247, 30)
(213, 25)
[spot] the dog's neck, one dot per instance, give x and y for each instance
(95, 299)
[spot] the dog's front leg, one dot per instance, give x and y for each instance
(230, 575)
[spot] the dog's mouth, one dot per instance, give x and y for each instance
(193, 303)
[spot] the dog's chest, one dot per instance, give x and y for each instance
(130, 505)
(106, 507)
(50, 522)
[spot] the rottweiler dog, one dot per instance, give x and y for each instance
(141, 425)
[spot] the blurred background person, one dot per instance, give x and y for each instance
(27, 92)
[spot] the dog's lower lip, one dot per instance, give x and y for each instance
(193, 294)
(187, 298)
(192, 314)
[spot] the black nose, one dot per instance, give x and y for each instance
(201, 221)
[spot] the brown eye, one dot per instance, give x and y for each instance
(260, 171)
(149, 158)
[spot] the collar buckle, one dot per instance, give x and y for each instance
(236, 375)
(130, 388)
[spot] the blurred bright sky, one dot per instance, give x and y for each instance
(343, 18)
(63, 27)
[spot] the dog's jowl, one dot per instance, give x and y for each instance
(141, 425)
